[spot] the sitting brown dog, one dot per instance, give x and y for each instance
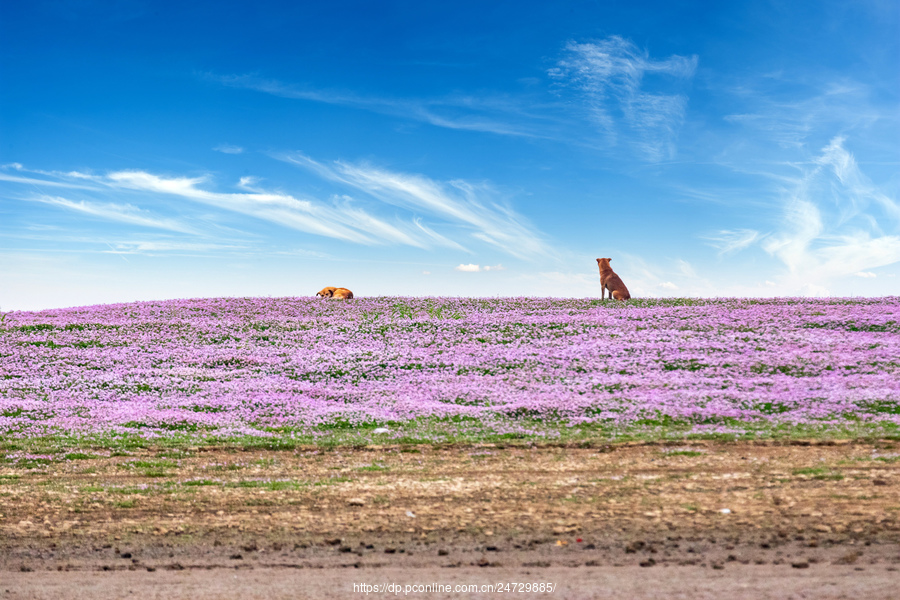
(343, 294)
(326, 292)
(612, 282)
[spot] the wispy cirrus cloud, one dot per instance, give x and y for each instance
(618, 85)
(167, 246)
(497, 114)
(609, 75)
(448, 215)
(39, 182)
(474, 207)
(730, 241)
(311, 216)
(338, 220)
(834, 223)
(123, 213)
(788, 112)
(229, 149)
(837, 222)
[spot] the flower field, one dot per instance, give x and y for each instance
(516, 366)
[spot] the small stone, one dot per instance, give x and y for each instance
(848, 559)
(800, 565)
(356, 502)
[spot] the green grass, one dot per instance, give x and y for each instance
(684, 453)
(148, 464)
(273, 486)
(374, 468)
(78, 456)
(820, 473)
(521, 430)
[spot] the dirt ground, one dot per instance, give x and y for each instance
(692, 520)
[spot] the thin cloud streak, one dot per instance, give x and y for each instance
(144, 247)
(229, 149)
(457, 202)
(729, 242)
(44, 182)
(123, 213)
(456, 205)
(419, 110)
(835, 223)
(608, 74)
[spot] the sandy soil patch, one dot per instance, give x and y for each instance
(643, 520)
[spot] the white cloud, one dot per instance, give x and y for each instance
(42, 182)
(450, 214)
(668, 285)
(866, 274)
(138, 247)
(229, 149)
(123, 213)
(487, 114)
(609, 74)
(730, 241)
(835, 222)
(468, 268)
(345, 223)
(778, 119)
(686, 268)
(460, 203)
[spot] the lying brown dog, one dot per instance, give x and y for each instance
(612, 282)
(333, 292)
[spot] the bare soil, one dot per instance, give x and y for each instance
(693, 520)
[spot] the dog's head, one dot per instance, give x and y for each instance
(326, 292)
(604, 263)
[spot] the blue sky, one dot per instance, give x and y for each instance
(153, 150)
